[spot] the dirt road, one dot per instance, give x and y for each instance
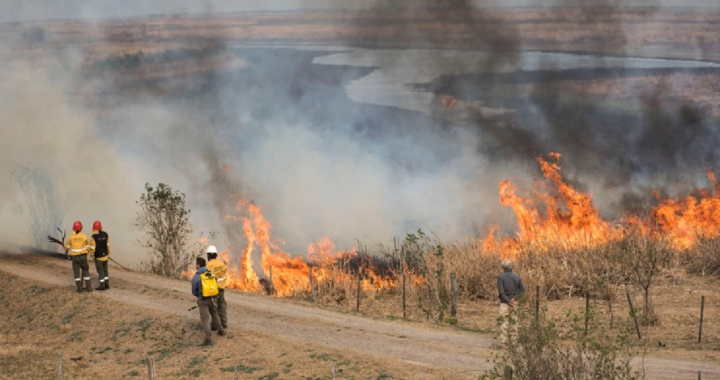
(467, 353)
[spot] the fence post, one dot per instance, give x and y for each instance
(508, 375)
(702, 314)
(333, 371)
(272, 286)
(151, 368)
(60, 365)
(453, 288)
(403, 296)
(357, 307)
(312, 285)
(537, 302)
(632, 314)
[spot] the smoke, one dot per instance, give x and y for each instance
(352, 143)
(42, 129)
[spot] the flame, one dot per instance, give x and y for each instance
(561, 217)
(281, 273)
(684, 220)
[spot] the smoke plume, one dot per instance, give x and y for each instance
(407, 117)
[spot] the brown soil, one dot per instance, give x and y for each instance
(145, 315)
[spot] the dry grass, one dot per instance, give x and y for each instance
(103, 339)
(565, 276)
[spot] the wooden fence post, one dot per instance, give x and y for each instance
(632, 314)
(702, 314)
(272, 286)
(312, 285)
(403, 296)
(333, 371)
(60, 365)
(537, 302)
(453, 289)
(508, 375)
(151, 368)
(357, 307)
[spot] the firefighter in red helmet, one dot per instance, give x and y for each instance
(100, 251)
(78, 246)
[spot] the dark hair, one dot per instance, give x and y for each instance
(211, 255)
(200, 261)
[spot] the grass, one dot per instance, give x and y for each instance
(241, 369)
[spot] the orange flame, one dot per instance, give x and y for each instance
(282, 274)
(568, 217)
(684, 220)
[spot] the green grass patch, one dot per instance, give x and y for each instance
(242, 368)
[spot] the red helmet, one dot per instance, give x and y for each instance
(97, 226)
(77, 226)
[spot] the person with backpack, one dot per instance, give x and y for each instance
(205, 288)
(219, 269)
(78, 247)
(100, 251)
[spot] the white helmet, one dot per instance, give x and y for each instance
(211, 249)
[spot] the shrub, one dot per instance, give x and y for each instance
(537, 349)
(164, 220)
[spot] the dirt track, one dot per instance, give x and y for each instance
(467, 353)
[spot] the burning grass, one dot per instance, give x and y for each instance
(562, 245)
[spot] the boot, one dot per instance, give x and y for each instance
(78, 285)
(88, 286)
(107, 283)
(101, 286)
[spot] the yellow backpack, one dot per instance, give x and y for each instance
(209, 284)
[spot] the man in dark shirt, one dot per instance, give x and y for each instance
(206, 305)
(510, 287)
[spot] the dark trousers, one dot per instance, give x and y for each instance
(102, 270)
(222, 307)
(208, 310)
(80, 264)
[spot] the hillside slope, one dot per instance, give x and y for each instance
(111, 333)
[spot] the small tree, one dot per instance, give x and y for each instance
(164, 220)
(644, 259)
(423, 257)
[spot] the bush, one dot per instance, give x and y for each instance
(164, 220)
(537, 349)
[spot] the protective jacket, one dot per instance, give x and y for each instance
(220, 270)
(78, 244)
(100, 245)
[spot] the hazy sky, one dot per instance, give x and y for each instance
(26, 10)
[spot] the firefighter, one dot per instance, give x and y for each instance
(100, 251)
(78, 247)
(206, 305)
(218, 268)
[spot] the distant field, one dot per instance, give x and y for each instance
(680, 33)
